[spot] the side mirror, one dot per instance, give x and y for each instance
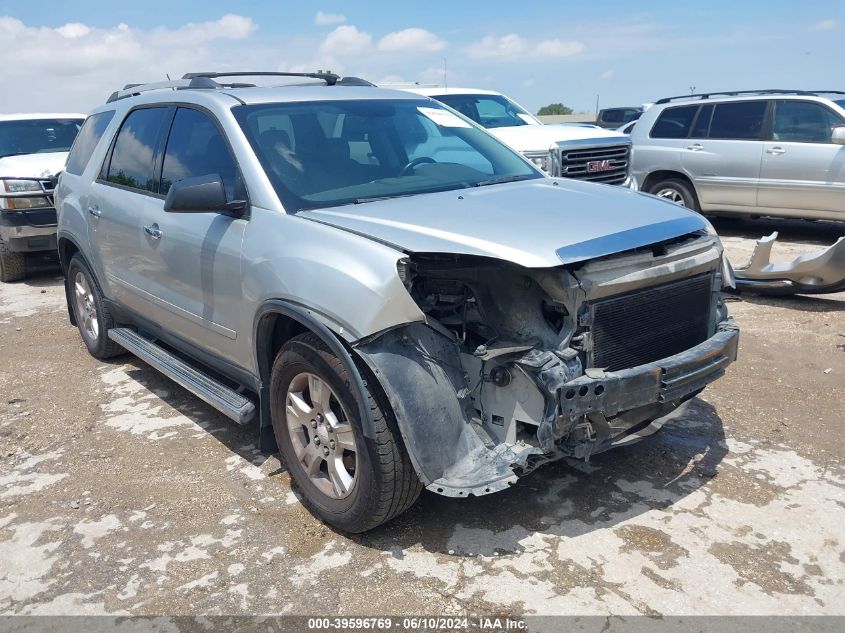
(838, 136)
(202, 194)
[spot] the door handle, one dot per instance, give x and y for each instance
(695, 147)
(95, 211)
(153, 231)
(777, 151)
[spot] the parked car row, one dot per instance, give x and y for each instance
(400, 299)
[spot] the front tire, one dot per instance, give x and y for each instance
(90, 312)
(12, 265)
(347, 480)
(676, 190)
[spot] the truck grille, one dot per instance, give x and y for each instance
(646, 325)
(608, 165)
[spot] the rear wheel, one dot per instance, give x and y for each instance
(350, 481)
(92, 316)
(676, 190)
(12, 265)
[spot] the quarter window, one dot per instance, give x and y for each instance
(740, 120)
(134, 156)
(196, 147)
(86, 141)
(803, 122)
(674, 122)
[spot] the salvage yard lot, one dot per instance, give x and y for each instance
(122, 493)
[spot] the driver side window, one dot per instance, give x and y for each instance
(196, 147)
(803, 122)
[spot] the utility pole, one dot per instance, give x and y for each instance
(692, 90)
(597, 107)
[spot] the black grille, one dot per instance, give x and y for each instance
(647, 325)
(607, 165)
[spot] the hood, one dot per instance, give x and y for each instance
(536, 223)
(33, 165)
(539, 138)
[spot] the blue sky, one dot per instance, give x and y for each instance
(69, 56)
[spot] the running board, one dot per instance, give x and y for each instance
(229, 402)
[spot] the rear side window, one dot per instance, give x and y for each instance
(803, 122)
(133, 161)
(739, 121)
(196, 147)
(674, 122)
(86, 141)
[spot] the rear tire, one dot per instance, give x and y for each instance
(347, 480)
(12, 265)
(90, 312)
(676, 190)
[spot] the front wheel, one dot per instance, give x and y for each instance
(350, 481)
(677, 191)
(90, 311)
(12, 265)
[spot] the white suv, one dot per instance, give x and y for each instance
(569, 151)
(763, 152)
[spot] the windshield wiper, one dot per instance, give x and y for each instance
(501, 180)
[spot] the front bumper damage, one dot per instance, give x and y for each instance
(816, 273)
(429, 390)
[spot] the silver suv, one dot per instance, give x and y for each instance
(296, 254)
(762, 152)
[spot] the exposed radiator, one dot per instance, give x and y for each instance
(646, 325)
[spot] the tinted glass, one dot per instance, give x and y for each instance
(702, 122)
(674, 122)
(323, 154)
(86, 142)
(803, 122)
(488, 110)
(840, 103)
(742, 120)
(133, 160)
(37, 136)
(195, 147)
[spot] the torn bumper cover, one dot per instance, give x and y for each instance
(815, 273)
(429, 391)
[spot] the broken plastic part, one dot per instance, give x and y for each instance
(815, 273)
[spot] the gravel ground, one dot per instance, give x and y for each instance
(121, 493)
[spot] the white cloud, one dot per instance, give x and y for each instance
(76, 66)
(607, 74)
(413, 40)
(556, 48)
(514, 47)
(329, 18)
(346, 40)
(825, 25)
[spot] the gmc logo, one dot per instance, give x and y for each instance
(595, 166)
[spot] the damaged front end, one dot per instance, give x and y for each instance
(515, 367)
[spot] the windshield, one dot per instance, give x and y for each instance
(488, 110)
(329, 153)
(37, 136)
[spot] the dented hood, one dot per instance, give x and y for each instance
(534, 223)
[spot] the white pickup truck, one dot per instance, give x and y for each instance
(585, 152)
(33, 150)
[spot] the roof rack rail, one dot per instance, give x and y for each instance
(737, 93)
(206, 81)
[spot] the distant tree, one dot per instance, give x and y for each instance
(554, 108)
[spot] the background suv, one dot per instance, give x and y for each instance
(768, 152)
(33, 150)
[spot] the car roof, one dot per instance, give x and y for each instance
(256, 95)
(696, 100)
(35, 116)
(440, 90)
